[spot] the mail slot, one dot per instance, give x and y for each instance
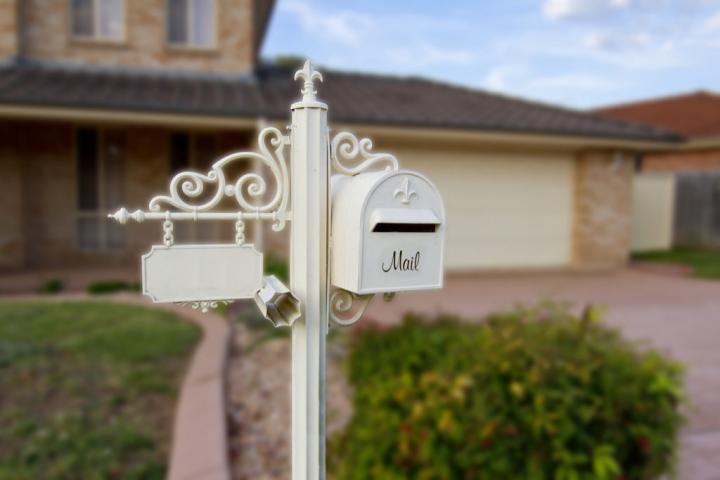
(387, 233)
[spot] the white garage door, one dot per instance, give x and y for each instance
(504, 210)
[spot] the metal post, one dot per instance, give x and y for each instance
(310, 167)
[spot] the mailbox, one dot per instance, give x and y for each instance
(387, 233)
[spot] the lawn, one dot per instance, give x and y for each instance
(705, 263)
(87, 389)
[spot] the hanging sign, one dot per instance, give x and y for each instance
(191, 273)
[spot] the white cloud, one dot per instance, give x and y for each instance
(568, 9)
(409, 41)
(518, 78)
(420, 55)
(713, 23)
(346, 27)
(576, 81)
(499, 78)
(619, 42)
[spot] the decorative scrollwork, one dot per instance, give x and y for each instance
(188, 186)
(347, 148)
(346, 308)
(205, 305)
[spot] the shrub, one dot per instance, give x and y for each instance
(112, 286)
(277, 266)
(529, 394)
(54, 285)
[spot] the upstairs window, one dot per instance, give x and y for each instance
(98, 19)
(191, 23)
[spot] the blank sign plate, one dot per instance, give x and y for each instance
(188, 273)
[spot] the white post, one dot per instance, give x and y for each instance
(310, 178)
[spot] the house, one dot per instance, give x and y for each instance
(694, 115)
(102, 100)
(678, 188)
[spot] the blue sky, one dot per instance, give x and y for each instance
(580, 53)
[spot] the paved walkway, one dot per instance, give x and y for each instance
(677, 315)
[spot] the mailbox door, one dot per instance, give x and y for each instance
(403, 237)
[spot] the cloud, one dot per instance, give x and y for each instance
(713, 23)
(346, 27)
(499, 78)
(619, 42)
(408, 41)
(576, 81)
(421, 55)
(580, 9)
(519, 78)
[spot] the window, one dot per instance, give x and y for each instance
(191, 23)
(100, 188)
(98, 19)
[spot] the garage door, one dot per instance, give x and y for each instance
(504, 210)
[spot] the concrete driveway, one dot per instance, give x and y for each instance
(677, 315)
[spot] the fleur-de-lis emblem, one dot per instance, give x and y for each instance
(308, 74)
(405, 192)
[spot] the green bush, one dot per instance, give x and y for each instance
(54, 285)
(531, 394)
(112, 286)
(277, 266)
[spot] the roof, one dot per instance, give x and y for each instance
(355, 98)
(694, 115)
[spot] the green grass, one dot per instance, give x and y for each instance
(705, 263)
(87, 389)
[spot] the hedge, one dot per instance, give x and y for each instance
(535, 394)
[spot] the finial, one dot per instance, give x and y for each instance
(309, 75)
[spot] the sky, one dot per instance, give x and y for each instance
(577, 53)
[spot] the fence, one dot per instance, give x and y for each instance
(653, 211)
(697, 210)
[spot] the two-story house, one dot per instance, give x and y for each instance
(102, 100)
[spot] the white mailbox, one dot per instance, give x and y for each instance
(387, 233)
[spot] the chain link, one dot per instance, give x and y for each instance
(168, 237)
(239, 232)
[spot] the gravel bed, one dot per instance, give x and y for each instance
(259, 402)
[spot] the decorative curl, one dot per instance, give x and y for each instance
(346, 308)
(347, 148)
(187, 186)
(205, 305)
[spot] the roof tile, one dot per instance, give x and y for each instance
(355, 98)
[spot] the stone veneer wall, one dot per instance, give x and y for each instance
(47, 36)
(603, 209)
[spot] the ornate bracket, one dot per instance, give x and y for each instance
(346, 147)
(346, 308)
(205, 306)
(352, 156)
(186, 188)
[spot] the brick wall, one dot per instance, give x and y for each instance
(47, 36)
(679, 161)
(603, 206)
(8, 29)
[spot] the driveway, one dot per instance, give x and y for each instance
(677, 315)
